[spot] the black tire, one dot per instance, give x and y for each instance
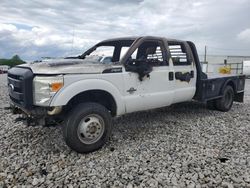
(225, 103)
(84, 121)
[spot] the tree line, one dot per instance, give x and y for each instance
(15, 60)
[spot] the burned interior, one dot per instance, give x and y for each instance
(148, 54)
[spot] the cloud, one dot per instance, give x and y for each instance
(7, 28)
(34, 29)
(244, 35)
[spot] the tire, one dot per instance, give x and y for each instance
(225, 103)
(87, 127)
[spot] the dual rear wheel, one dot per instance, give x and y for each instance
(224, 103)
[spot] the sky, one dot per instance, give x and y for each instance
(53, 28)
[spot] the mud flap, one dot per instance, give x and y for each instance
(239, 97)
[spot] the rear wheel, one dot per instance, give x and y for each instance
(225, 103)
(87, 127)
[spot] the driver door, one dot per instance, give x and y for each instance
(155, 88)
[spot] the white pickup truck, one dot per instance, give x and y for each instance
(84, 93)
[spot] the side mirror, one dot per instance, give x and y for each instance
(130, 65)
(142, 68)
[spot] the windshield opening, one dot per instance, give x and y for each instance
(107, 52)
(102, 54)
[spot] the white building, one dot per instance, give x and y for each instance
(4, 68)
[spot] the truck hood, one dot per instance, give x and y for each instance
(64, 66)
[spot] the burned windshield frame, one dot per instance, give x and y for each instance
(101, 52)
(118, 44)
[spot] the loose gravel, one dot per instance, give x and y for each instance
(184, 145)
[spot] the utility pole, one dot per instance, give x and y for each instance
(205, 57)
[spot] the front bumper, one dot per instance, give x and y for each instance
(33, 116)
(34, 111)
(43, 116)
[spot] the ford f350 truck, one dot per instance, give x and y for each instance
(84, 93)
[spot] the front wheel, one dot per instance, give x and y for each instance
(87, 127)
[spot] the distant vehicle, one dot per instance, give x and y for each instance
(4, 69)
(83, 93)
(246, 68)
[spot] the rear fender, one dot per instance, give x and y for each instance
(228, 82)
(238, 96)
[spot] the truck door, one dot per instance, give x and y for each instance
(152, 88)
(185, 73)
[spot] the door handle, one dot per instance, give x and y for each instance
(171, 76)
(184, 77)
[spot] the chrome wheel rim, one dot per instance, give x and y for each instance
(90, 129)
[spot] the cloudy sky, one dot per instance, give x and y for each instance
(35, 29)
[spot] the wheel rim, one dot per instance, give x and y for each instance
(228, 99)
(90, 129)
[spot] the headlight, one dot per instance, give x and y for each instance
(45, 87)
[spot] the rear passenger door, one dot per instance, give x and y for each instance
(184, 71)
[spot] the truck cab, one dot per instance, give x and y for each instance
(141, 73)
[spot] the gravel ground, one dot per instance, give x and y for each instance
(184, 145)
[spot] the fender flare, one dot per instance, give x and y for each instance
(67, 93)
(227, 82)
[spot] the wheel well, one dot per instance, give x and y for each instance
(99, 96)
(231, 83)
